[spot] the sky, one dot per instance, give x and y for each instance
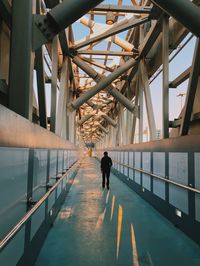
(181, 62)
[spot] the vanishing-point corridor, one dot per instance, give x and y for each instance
(89, 76)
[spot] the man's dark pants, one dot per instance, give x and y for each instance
(105, 177)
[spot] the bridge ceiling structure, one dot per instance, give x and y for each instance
(97, 59)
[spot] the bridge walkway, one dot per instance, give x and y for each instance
(112, 227)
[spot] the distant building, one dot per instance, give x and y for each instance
(158, 133)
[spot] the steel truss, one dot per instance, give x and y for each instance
(93, 97)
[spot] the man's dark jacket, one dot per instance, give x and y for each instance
(106, 163)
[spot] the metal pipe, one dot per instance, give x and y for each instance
(101, 135)
(87, 69)
(117, 40)
(121, 98)
(64, 14)
(110, 53)
(109, 120)
(97, 138)
(117, 28)
(103, 128)
(93, 105)
(102, 84)
(125, 9)
(184, 11)
(84, 119)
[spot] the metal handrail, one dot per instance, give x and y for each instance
(4, 242)
(166, 179)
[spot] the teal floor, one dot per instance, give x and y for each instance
(103, 228)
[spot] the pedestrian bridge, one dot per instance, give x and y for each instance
(81, 77)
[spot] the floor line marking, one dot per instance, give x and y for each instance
(112, 208)
(100, 219)
(134, 249)
(119, 228)
(107, 196)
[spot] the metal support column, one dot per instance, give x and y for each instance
(22, 59)
(141, 104)
(118, 131)
(192, 87)
(165, 60)
(121, 126)
(39, 66)
(41, 87)
(62, 100)
(136, 104)
(67, 122)
(29, 197)
(54, 83)
(149, 105)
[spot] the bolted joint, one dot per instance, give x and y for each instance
(109, 120)
(31, 202)
(70, 107)
(59, 18)
(84, 119)
(98, 78)
(45, 27)
(48, 186)
(72, 52)
(124, 77)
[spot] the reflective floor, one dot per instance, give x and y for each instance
(116, 227)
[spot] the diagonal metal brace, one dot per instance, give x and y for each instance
(103, 83)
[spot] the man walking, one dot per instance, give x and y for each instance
(106, 164)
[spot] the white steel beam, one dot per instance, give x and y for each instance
(54, 83)
(62, 100)
(165, 60)
(133, 22)
(191, 92)
(149, 105)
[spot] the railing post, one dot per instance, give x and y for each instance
(191, 183)
(167, 175)
(29, 197)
